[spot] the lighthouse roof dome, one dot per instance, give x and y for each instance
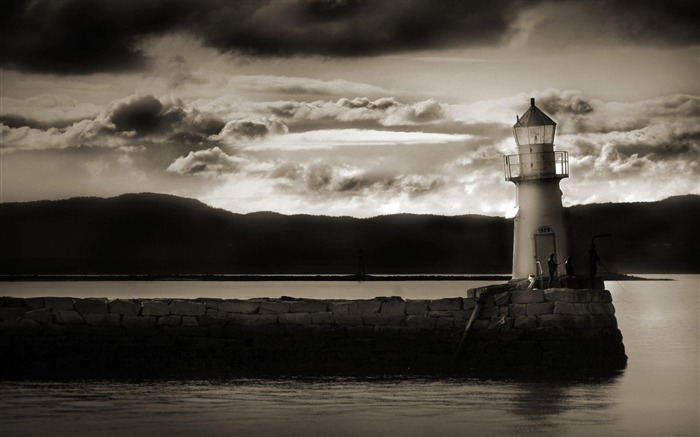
(534, 117)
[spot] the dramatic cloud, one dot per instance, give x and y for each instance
(83, 36)
(245, 129)
(132, 121)
(208, 163)
(363, 112)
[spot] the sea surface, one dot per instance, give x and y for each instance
(658, 394)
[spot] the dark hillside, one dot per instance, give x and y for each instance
(160, 234)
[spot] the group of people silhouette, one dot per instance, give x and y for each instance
(593, 260)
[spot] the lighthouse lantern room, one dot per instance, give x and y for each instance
(540, 225)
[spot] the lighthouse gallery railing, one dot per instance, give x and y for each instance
(536, 166)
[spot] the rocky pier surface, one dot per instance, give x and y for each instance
(559, 328)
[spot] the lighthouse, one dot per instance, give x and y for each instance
(536, 170)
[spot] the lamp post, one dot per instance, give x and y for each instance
(540, 225)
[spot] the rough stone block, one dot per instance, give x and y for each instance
(365, 307)
(527, 296)
(568, 308)
(502, 298)
(447, 304)
(347, 320)
(525, 322)
(444, 323)
(295, 318)
(501, 321)
(561, 321)
(12, 313)
(42, 315)
(274, 307)
(604, 296)
(340, 308)
(601, 321)
(322, 318)
(537, 309)
(384, 319)
(488, 312)
(308, 306)
(438, 314)
(124, 307)
(393, 308)
(155, 308)
(239, 306)
(611, 308)
(421, 322)
(213, 313)
(171, 320)
(462, 314)
(517, 309)
(210, 302)
(416, 307)
(468, 303)
(138, 321)
(102, 319)
(563, 295)
(68, 317)
(35, 303)
(480, 324)
(251, 319)
(189, 321)
(187, 308)
(90, 306)
(22, 327)
(59, 303)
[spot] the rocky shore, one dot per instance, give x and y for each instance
(56, 337)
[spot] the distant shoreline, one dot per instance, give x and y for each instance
(290, 277)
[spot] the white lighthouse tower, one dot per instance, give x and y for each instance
(540, 225)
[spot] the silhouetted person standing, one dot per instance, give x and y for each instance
(593, 261)
(569, 266)
(360, 263)
(552, 265)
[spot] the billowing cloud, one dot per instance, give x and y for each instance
(362, 111)
(132, 121)
(324, 178)
(253, 128)
(145, 114)
(81, 36)
(208, 163)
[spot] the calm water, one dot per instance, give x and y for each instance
(657, 395)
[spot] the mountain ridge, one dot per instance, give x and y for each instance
(151, 233)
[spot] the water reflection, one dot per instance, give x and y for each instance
(547, 405)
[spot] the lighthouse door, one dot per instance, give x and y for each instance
(544, 246)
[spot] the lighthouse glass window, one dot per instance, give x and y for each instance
(534, 135)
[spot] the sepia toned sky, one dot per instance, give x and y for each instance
(337, 107)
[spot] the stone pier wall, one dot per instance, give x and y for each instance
(66, 337)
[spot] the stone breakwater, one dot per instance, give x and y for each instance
(68, 337)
